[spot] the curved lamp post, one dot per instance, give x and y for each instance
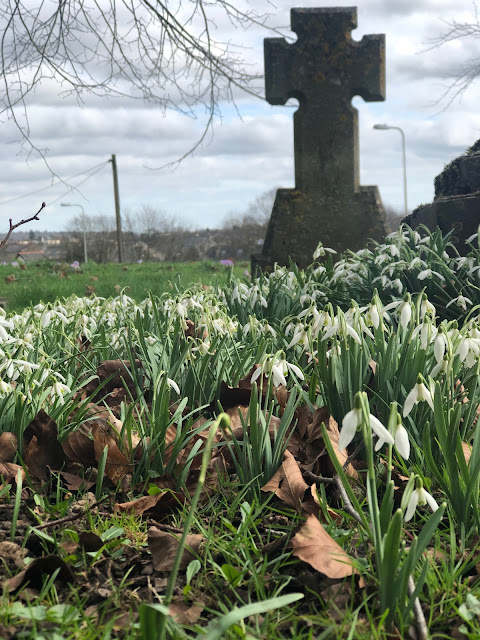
(68, 204)
(383, 127)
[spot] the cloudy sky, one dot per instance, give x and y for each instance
(251, 147)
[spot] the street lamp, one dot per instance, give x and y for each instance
(383, 127)
(68, 204)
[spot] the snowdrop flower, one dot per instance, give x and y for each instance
(419, 498)
(405, 311)
(353, 421)
(5, 388)
(402, 442)
(416, 395)
(440, 345)
(428, 273)
(468, 350)
(278, 368)
(417, 262)
(171, 383)
(460, 301)
(427, 308)
(441, 366)
(300, 336)
(321, 251)
(58, 390)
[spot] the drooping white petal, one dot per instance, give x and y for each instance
(430, 500)
(402, 443)
(383, 434)
(424, 394)
(412, 505)
(349, 427)
(410, 401)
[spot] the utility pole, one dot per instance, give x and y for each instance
(117, 208)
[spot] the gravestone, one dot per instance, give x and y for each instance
(456, 205)
(323, 69)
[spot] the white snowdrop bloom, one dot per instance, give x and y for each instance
(427, 333)
(427, 308)
(440, 346)
(5, 388)
(440, 367)
(300, 336)
(394, 250)
(460, 301)
(402, 442)
(46, 318)
(429, 273)
(353, 420)
(4, 336)
(321, 251)
(405, 311)
(381, 257)
(473, 237)
(418, 394)
(468, 349)
(417, 262)
(150, 340)
(419, 498)
(278, 368)
(58, 390)
(374, 315)
(319, 271)
(171, 383)
(7, 323)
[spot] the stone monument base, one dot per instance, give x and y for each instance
(300, 221)
(460, 214)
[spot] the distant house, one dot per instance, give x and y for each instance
(30, 256)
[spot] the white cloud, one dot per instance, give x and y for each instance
(253, 153)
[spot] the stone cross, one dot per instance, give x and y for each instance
(323, 70)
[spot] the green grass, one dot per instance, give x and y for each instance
(344, 356)
(48, 281)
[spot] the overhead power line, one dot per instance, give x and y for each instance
(93, 169)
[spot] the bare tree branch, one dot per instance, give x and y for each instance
(467, 72)
(14, 226)
(161, 52)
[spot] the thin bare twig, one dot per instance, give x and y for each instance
(75, 516)
(420, 621)
(349, 508)
(14, 226)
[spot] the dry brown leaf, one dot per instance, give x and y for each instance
(313, 545)
(334, 435)
(288, 483)
(164, 546)
(467, 451)
(8, 471)
(42, 450)
(117, 465)
(36, 572)
(184, 613)
(79, 447)
(8, 446)
(142, 504)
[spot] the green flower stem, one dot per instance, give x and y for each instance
(223, 421)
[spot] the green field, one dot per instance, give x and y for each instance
(48, 281)
(257, 460)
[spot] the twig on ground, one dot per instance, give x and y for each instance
(349, 508)
(308, 475)
(14, 226)
(421, 623)
(75, 516)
